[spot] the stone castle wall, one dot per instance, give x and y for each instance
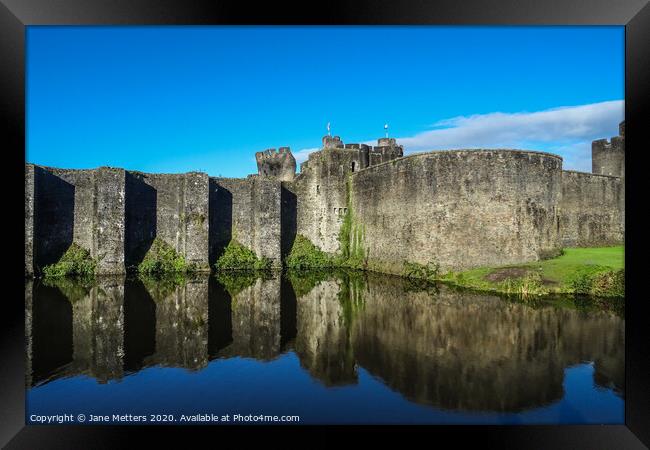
(170, 207)
(85, 207)
(117, 214)
(321, 196)
(590, 210)
(247, 210)
(461, 209)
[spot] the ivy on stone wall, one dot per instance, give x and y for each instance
(238, 257)
(76, 261)
(163, 258)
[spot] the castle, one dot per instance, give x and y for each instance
(459, 208)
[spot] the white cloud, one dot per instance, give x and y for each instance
(567, 131)
(302, 155)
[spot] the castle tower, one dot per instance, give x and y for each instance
(386, 150)
(608, 158)
(276, 164)
(332, 142)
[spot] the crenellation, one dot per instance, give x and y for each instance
(279, 164)
(608, 157)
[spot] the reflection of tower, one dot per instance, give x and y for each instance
(29, 297)
(48, 316)
(98, 331)
(181, 323)
(322, 342)
(219, 318)
(256, 321)
(139, 325)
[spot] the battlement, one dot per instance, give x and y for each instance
(608, 156)
(332, 142)
(279, 164)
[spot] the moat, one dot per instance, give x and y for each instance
(329, 347)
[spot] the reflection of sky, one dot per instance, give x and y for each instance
(281, 387)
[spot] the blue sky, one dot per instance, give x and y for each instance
(175, 99)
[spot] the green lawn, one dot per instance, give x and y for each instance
(585, 270)
(560, 269)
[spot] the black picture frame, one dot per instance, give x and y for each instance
(15, 15)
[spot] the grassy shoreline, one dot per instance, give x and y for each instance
(594, 271)
(589, 271)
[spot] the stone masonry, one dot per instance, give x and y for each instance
(459, 208)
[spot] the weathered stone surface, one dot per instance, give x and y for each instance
(608, 158)
(171, 207)
(590, 214)
(29, 220)
(462, 209)
(276, 164)
(109, 226)
(86, 207)
(247, 210)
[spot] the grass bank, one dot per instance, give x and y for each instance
(589, 271)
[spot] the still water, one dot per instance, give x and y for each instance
(328, 347)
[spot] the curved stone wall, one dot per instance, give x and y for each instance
(463, 209)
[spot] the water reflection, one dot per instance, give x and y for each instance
(449, 349)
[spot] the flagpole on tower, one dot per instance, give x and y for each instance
(329, 132)
(386, 128)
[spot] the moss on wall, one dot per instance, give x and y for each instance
(162, 258)
(238, 257)
(305, 255)
(76, 261)
(351, 237)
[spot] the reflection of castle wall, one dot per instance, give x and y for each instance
(256, 321)
(182, 325)
(323, 342)
(98, 331)
(474, 352)
(29, 298)
(219, 318)
(48, 318)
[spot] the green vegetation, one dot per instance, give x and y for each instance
(238, 257)
(351, 239)
(74, 289)
(428, 272)
(163, 258)
(598, 281)
(161, 285)
(591, 271)
(351, 236)
(305, 255)
(351, 296)
(193, 218)
(303, 281)
(234, 283)
(76, 261)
